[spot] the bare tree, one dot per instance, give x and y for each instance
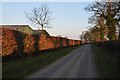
(40, 16)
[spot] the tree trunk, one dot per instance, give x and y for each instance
(102, 36)
(42, 27)
(119, 34)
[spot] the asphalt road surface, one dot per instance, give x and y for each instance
(78, 64)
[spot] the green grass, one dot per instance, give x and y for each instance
(24, 67)
(107, 62)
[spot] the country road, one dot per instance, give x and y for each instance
(77, 64)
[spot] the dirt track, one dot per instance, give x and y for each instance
(77, 64)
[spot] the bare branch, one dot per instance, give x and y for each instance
(40, 16)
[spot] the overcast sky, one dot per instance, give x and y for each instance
(70, 18)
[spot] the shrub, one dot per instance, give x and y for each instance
(28, 44)
(110, 45)
(9, 44)
(45, 43)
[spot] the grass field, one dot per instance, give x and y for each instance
(107, 62)
(26, 66)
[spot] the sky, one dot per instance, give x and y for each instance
(70, 18)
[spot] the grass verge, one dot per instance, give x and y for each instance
(24, 67)
(106, 61)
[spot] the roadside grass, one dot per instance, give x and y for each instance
(24, 67)
(106, 62)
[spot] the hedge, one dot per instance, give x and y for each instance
(110, 45)
(18, 43)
